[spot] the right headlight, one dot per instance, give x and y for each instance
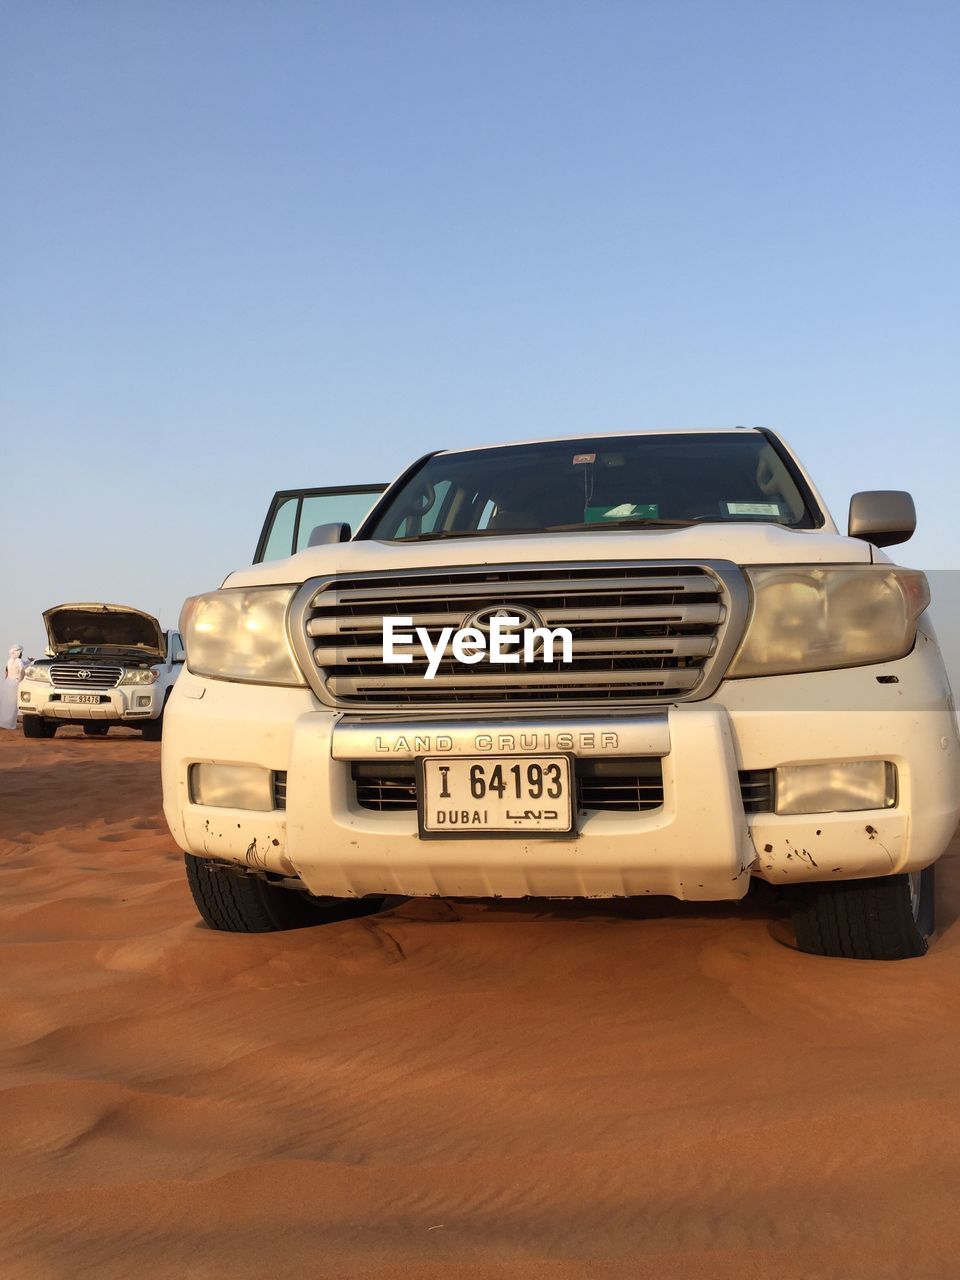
(37, 673)
(816, 619)
(140, 675)
(240, 633)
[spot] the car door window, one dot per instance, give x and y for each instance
(347, 508)
(295, 513)
(283, 520)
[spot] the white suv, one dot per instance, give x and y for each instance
(746, 694)
(106, 664)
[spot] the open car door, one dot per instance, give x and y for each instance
(295, 513)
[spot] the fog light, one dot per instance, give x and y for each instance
(142, 701)
(232, 786)
(24, 697)
(841, 787)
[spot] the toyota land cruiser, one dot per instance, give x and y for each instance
(622, 665)
(107, 664)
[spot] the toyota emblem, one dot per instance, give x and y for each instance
(523, 617)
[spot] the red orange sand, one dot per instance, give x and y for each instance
(525, 1090)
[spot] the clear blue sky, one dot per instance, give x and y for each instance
(246, 246)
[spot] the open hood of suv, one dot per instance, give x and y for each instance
(106, 626)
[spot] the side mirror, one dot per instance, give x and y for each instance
(882, 516)
(324, 534)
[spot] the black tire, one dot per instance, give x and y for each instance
(237, 903)
(94, 730)
(152, 730)
(37, 727)
(884, 918)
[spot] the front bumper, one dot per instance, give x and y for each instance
(122, 704)
(698, 845)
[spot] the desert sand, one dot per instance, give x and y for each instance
(527, 1089)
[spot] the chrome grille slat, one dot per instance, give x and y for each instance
(101, 675)
(686, 646)
(679, 679)
(642, 632)
(521, 586)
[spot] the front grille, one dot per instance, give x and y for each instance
(640, 632)
(758, 790)
(280, 789)
(385, 787)
(627, 785)
(85, 675)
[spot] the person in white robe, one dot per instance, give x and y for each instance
(9, 689)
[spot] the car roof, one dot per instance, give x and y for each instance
(609, 435)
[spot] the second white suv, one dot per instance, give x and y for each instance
(107, 664)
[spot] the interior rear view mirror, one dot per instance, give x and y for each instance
(882, 516)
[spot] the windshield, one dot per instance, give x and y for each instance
(609, 482)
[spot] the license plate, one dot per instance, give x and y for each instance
(87, 699)
(504, 795)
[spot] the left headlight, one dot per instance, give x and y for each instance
(140, 675)
(37, 673)
(240, 633)
(817, 619)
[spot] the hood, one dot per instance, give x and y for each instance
(104, 626)
(743, 544)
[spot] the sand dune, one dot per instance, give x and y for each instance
(526, 1090)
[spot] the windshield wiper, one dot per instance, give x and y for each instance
(463, 533)
(626, 522)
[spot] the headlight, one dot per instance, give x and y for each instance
(37, 673)
(240, 633)
(140, 675)
(805, 619)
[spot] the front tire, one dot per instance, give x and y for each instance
(236, 903)
(883, 918)
(37, 727)
(153, 730)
